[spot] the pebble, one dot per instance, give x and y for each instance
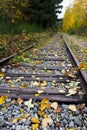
(78, 122)
(71, 125)
(18, 127)
(85, 110)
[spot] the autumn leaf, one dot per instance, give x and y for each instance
(26, 115)
(2, 99)
(37, 95)
(2, 74)
(29, 104)
(16, 64)
(54, 105)
(14, 120)
(71, 92)
(46, 122)
(35, 126)
(42, 114)
(40, 91)
(19, 101)
(80, 106)
(81, 66)
(35, 120)
(58, 110)
(38, 62)
(72, 107)
(43, 84)
(44, 103)
(24, 85)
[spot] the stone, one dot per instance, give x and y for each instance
(18, 127)
(78, 122)
(71, 125)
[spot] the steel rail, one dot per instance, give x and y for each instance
(5, 60)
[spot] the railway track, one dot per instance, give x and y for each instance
(51, 72)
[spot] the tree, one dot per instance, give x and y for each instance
(43, 12)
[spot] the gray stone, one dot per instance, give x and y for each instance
(85, 109)
(64, 106)
(64, 121)
(1, 118)
(71, 125)
(62, 115)
(78, 122)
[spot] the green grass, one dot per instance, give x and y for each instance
(18, 28)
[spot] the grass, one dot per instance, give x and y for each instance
(18, 28)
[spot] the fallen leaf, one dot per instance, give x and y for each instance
(35, 83)
(19, 79)
(14, 120)
(24, 85)
(40, 91)
(35, 120)
(71, 92)
(37, 95)
(26, 115)
(2, 74)
(35, 126)
(80, 106)
(54, 105)
(44, 104)
(29, 104)
(72, 107)
(38, 62)
(19, 101)
(2, 99)
(43, 84)
(42, 114)
(57, 124)
(16, 64)
(58, 110)
(46, 122)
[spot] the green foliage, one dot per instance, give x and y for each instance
(44, 12)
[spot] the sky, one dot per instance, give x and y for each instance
(65, 4)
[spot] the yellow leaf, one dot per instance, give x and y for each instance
(2, 100)
(42, 114)
(43, 84)
(14, 120)
(81, 66)
(54, 105)
(2, 74)
(46, 122)
(35, 126)
(26, 115)
(37, 95)
(35, 120)
(45, 100)
(72, 107)
(44, 104)
(38, 62)
(19, 101)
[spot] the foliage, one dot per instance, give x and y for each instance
(75, 17)
(32, 11)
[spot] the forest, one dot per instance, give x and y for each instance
(27, 12)
(75, 18)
